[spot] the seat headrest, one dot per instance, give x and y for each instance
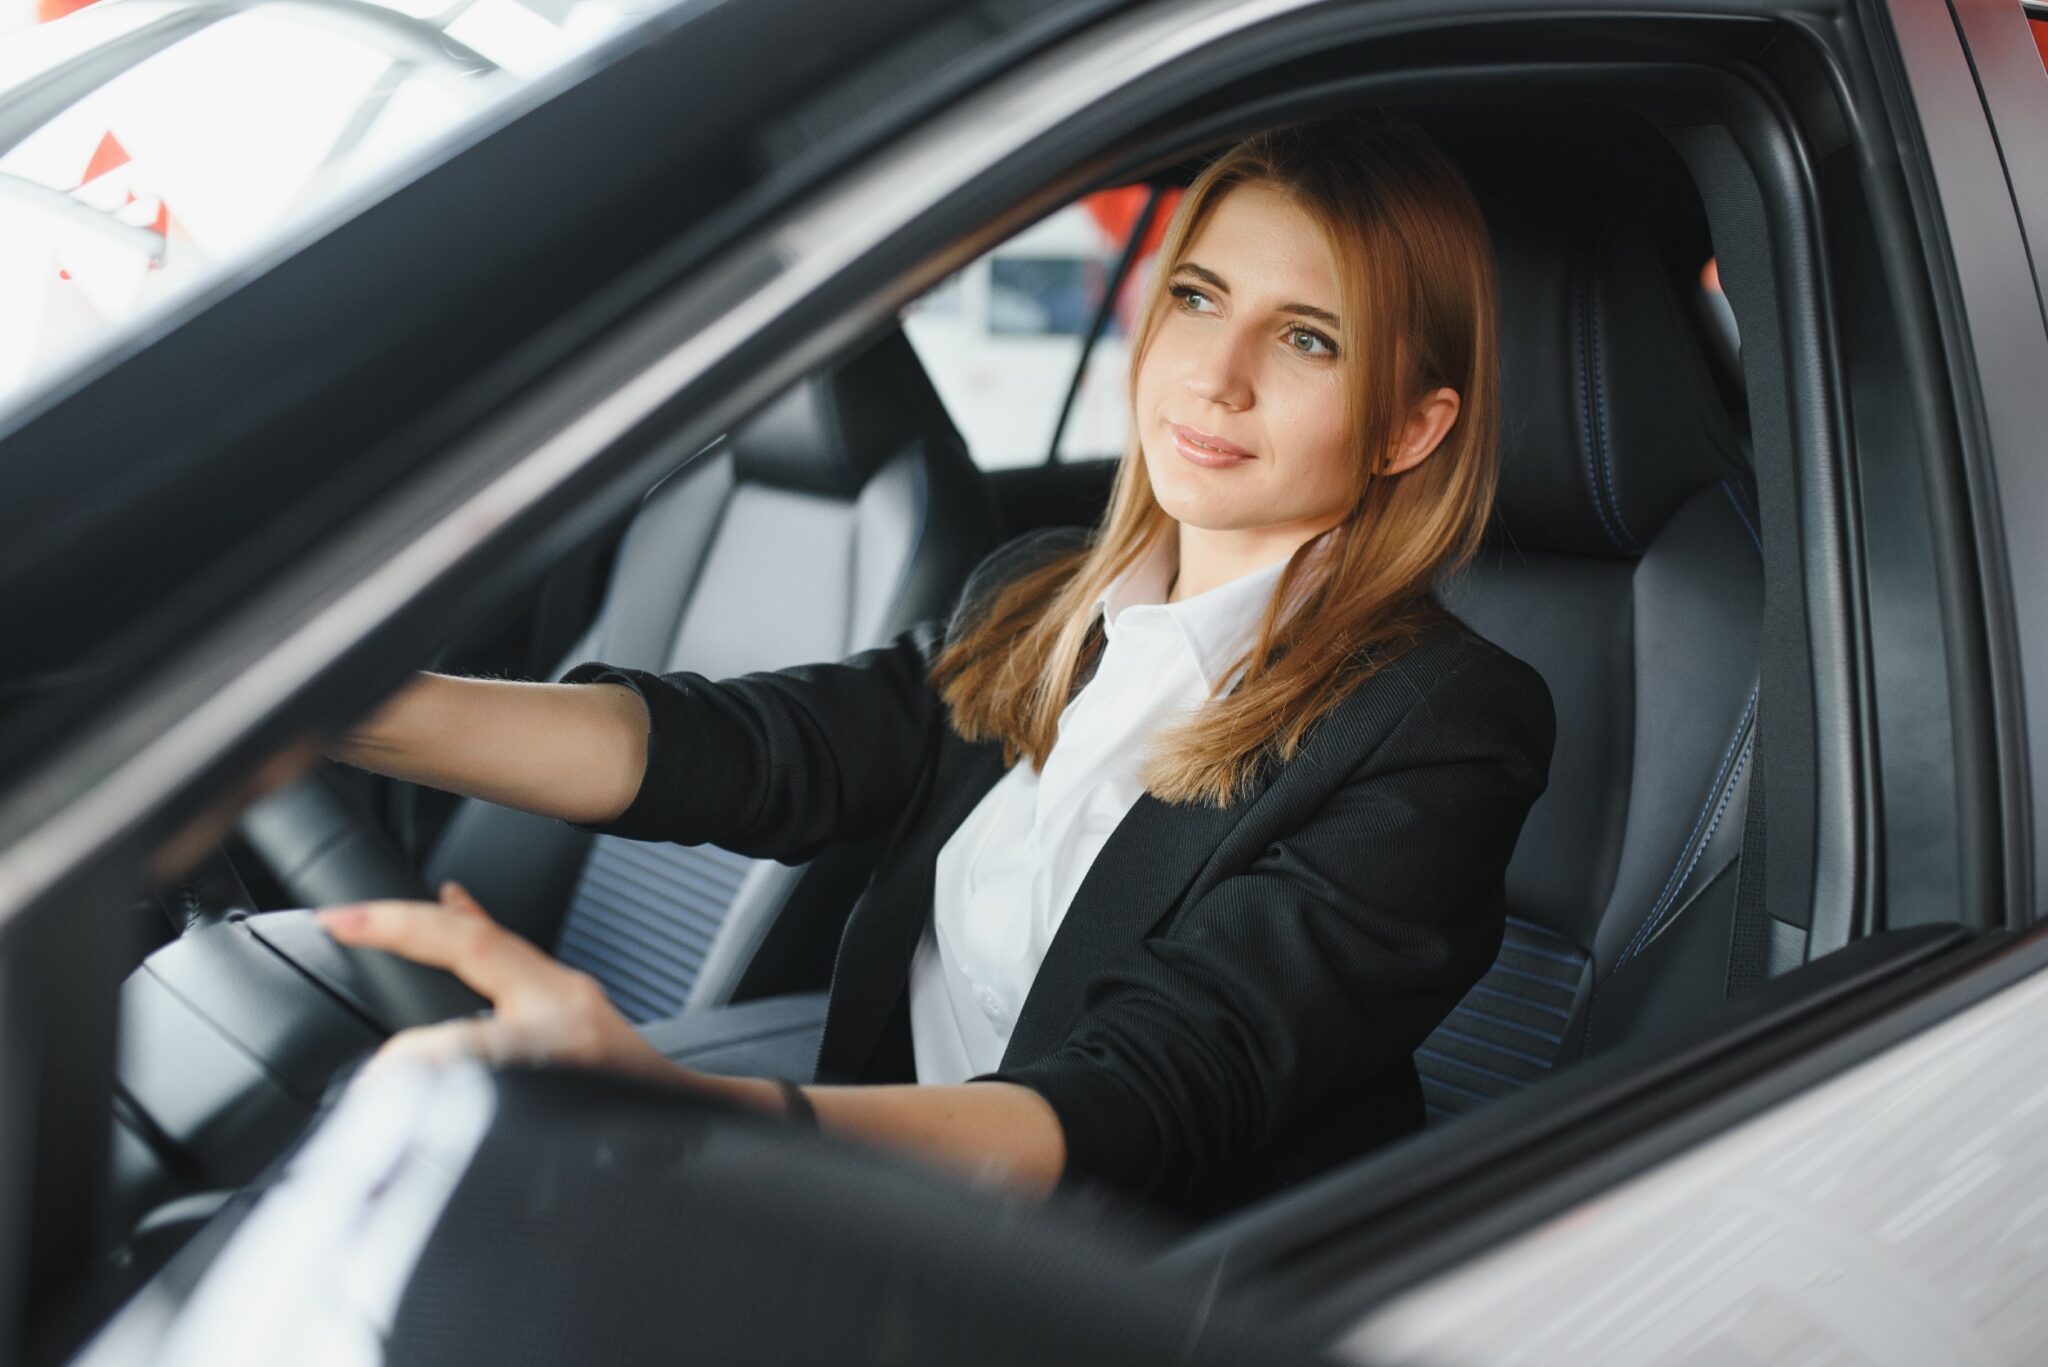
(832, 430)
(1611, 416)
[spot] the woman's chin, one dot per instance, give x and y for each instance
(1199, 499)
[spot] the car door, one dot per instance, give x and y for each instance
(1875, 1198)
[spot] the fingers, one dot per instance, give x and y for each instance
(436, 1045)
(484, 955)
(456, 897)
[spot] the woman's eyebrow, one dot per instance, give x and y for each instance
(1207, 276)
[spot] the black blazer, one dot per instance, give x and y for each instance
(1233, 998)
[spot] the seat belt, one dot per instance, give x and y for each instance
(1749, 939)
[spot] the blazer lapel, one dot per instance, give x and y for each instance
(873, 967)
(1151, 858)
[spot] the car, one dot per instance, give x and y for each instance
(625, 364)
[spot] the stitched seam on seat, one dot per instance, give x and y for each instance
(1548, 955)
(1556, 935)
(1526, 976)
(1747, 526)
(1485, 991)
(1650, 927)
(1583, 327)
(1496, 1046)
(1466, 1007)
(1714, 792)
(1600, 386)
(1432, 1080)
(1476, 1069)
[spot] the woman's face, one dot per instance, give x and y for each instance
(1241, 396)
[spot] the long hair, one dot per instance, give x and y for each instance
(1415, 267)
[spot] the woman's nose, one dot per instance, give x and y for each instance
(1220, 370)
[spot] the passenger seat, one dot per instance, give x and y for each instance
(844, 512)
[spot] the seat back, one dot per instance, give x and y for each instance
(840, 514)
(1624, 565)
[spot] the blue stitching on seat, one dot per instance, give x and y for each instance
(1714, 793)
(1527, 976)
(1557, 935)
(1503, 1023)
(1747, 526)
(1586, 402)
(1498, 1048)
(1549, 955)
(1600, 387)
(1657, 917)
(1483, 990)
(1432, 1080)
(1456, 1062)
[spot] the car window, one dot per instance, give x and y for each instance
(1003, 336)
(154, 144)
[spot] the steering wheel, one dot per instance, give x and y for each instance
(322, 848)
(213, 901)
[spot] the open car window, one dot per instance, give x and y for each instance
(1011, 335)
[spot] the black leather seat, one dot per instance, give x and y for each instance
(1624, 564)
(840, 514)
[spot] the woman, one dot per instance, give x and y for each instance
(1196, 826)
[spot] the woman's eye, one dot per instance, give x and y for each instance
(1187, 295)
(1309, 342)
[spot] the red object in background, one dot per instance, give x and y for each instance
(1116, 211)
(109, 155)
(2040, 28)
(46, 10)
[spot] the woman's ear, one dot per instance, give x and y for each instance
(1428, 421)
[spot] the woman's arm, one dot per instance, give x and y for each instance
(987, 1131)
(1329, 958)
(544, 1012)
(575, 752)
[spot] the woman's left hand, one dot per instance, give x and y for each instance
(542, 1011)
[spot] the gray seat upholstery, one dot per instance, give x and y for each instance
(1622, 563)
(840, 514)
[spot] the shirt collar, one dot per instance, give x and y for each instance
(1218, 625)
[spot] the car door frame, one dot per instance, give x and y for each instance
(320, 643)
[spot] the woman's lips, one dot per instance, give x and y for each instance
(1203, 449)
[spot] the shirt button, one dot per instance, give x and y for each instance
(991, 1005)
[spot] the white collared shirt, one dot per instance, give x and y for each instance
(1005, 878)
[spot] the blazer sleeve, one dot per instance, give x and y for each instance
(1330, 958)
(779, 763)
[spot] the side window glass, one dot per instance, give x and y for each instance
(1003, 337)
(163, 142)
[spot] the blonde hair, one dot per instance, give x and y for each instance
(1415, 267)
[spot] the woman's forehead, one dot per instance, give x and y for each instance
(1267, 249)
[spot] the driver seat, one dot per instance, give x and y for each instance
(842, 513)
(1623, 563)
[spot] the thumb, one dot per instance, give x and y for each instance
(456, 897)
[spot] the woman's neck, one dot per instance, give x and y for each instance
(1210, 558)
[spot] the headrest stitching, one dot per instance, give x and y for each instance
(1600, 387)
(1581, 358)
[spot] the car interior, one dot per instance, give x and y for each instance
(1626, 561)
